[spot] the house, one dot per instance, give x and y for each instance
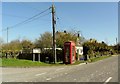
(79, 50)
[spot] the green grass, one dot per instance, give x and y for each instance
(28, 63)
(78, 62)
(0, 62)
(98, 58)
(21, 63)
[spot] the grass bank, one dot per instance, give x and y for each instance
(0, 62)
(28, 63)
(21, 63)
(98, 58)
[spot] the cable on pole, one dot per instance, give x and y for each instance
(36, 18)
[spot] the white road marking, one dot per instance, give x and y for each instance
(92, 74)
(59, 69)
(48, 78)
(40, 74)
(53, 77)
(61, 74)
(65, 73)
(81, 64)
(108, 80)
(96, 71)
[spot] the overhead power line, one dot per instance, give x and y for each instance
(36, 18)
(10, 15)
(28, 20)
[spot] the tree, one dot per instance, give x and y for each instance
(12, 48)
(44, 41)
(1, 42)
(62, 37)
(117, 48)
(27, 46)
(15, 45)
(94, 48)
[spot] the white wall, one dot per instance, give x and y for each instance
(79, 50)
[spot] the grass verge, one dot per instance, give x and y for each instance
(21, 63)
(0, 62)
(28, 63)
(98, 58)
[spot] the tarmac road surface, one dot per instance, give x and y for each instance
(101, 71)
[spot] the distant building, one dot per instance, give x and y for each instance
(79, 50)
(79, 47)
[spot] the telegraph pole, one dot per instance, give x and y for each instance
(117, 45)
(54, 40)
(7, 35)
(116, 40)
(7, 43)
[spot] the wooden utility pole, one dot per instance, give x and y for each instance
(54, 40)
(117, 45)
(7, 35)
(116, 41)
(7, 44)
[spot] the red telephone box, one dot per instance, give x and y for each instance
(69, 52)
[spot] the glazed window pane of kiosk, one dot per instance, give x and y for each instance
(73, 52)
(67, 53)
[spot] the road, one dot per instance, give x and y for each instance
(101, 71)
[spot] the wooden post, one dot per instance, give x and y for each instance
(33, 57)
(39, 57)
